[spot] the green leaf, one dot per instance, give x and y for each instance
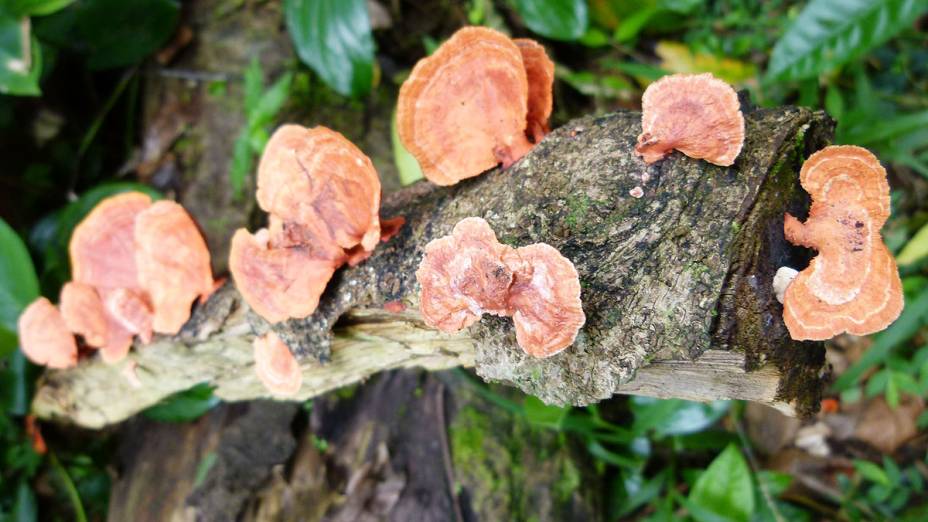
(872, 472)
(37, 7)
(542, 414)
(674, 416)
(725, 488)
(333, 37)
(25, 508)
(912, 317)
(19, 285)
(270, 103)
(184, 406)
(407, 166)
(916, 249)
(15, 384)
(20, 56)
(112, 33)
(565, 20)
(828, 33)
(242, 156)
(254, 84)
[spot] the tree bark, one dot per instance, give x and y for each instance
(676, 285)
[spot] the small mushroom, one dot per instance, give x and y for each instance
(544, 299)
(276, 367)
(462, 111)
(173, 263)
(781, 281)
(318, 179)
(539, 70)
(852, 285)
(696, 114)
(278, 283)
(44, 337)
(462, 276)
(130, 310)
(102, 248)
(118, 341)
(83, 312)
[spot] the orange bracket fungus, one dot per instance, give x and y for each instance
(852, 285)
(539, 71)
(276, 367)
(102, 247)
(470, 273)
(44, 336)
(463, 110)
(83, 312)
(696, 114)
(173, 263)
(323, 197)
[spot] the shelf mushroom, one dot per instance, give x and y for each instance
(539, 71)
(323, 197)
(696, 114)
(83, 312)
(276, 367)
(852, 285)
(44, 336)
(463, 110)
(469, 273)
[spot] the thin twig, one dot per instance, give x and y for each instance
(69, 488)
(446, 452)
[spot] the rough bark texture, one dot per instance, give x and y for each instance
(407, 446)
(684, 269)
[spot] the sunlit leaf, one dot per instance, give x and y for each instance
(872, 472)
(406, 164)
(725, 489)
(828, 33)
(37, 7)
(556, 19)
(678, 58)
(915, 249)
(20, 56)
(334, 38)
(19, 285)
(184, 406)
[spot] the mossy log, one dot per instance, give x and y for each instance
(676, 285)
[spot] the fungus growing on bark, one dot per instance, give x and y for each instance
(173, 263)
(696, 114)
(463, 109)
(539, 71)
(276, 366)
(102, 248)
(544, 299)
(83, 312)
(781, 281)
(469, 273)
(44, 337)
(318, 179)
(130, 310)
(852, 285)
(278, 283)
(462, 276)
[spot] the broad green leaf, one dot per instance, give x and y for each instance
(542, 414)
(916, 249)
(678, 58)
(590, 84)
(725, 488)
(19, 285)
(112, 33)
(334, 38)
(872, 472)
(828, 33)
(407, 166)
(674, 416)
(565, 20)
(184, 406)
(37, 7)
(20, 56)
(16, 379)
(630, 26)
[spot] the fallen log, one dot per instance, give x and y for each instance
(676, 285)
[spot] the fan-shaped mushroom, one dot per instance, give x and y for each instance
(102, 247)
(852, 285)
(83, 312)
(276, 367)
(44, 337)
(462, 276)
(544, 299)
(539, 70)
(321, 181)
(696, 114)
(463, 109)
(173, 263)
(278, 283)
(130, 310)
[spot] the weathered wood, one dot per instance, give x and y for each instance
(684, 270)
(406, 446)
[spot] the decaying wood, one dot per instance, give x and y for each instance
(676, 285)
(409, 445)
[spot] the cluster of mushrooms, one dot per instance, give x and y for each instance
(481, 100)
